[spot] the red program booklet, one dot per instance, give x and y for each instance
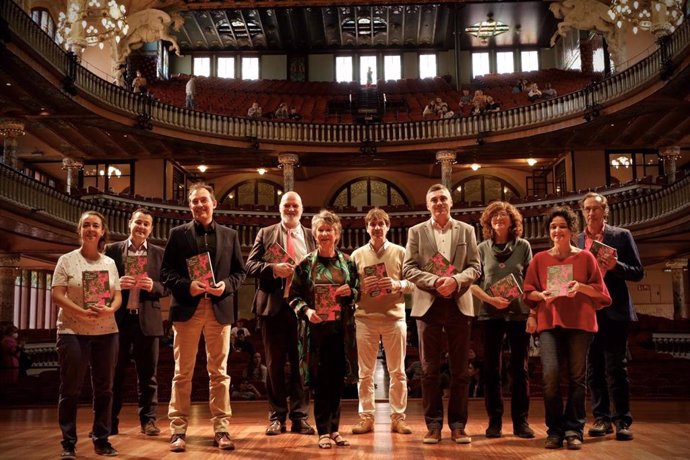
(557, 279)
(96, 285)
(507, 287)
(200, 269)
(325, 302)
(275, 254)
(135, 266)
(601, 250)
(439, 265)
(379, 271)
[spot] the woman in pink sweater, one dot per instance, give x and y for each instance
(564, 288)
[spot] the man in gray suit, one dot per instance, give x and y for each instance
(443, 303)
(139, 320)
(277, 319)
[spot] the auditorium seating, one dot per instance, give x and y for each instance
(330, 102)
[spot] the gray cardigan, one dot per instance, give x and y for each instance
(496, 264)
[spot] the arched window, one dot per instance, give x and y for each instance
(253, 192)
(42, 17)
(368, 191)
(483, 189)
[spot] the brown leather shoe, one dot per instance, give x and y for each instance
(365, 425)
(178, 443)
(460, 436)
(276, 427)
(150, 428)
(400, 426)
(301, 426)
(223, 442)
(433, 436)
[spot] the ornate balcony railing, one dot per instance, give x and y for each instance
(630, 206)
(121, 101)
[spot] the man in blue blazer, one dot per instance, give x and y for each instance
(442, 305)
(607, 373)
(139, 320)
(199, 307)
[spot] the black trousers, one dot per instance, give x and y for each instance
(607, 371)
(279, 335)
(144, 350)
(444, 319)
(495, 330)
(328, 380)
(75, 354)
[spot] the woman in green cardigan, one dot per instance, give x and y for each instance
(323, 292)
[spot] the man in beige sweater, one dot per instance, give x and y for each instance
(381, 313)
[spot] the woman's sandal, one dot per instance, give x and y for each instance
(339, 440)
(324, 441)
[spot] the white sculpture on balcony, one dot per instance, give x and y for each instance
(589, 15)
(146, 26)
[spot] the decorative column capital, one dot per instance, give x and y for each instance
(9, 260)
(670, 153)
(291, 159)
(677, 264)
(11, 127)
(72, 163)
(448, 157)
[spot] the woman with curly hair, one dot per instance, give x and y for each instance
(323, 291)
(504, 253)
(564, 289)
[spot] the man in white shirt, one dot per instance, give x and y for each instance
(443, 306)
(190, 93)
(381, 313)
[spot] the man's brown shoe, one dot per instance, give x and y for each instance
(178, 443)
(400, 426)
(460, 436)
(275, 428)
(365, 425)
(433, 436)
(223, 442)
(150, 428)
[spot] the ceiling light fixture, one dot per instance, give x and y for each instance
(622, 160)
(475, 166)
(487, 29)
(531, 161)
(91, 23)
(202, 168)
(261, 171)
(661, 17)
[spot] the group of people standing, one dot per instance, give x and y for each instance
(323, 313)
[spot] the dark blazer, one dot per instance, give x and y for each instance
(228, 267)
(628, 268)
(268, 299)
(150, 318)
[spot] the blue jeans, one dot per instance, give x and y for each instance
(569, 345)
(76, 353)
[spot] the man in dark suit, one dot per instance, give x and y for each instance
(200, 307)
(443, 305)
(139, 320)
(277, 319)
(607, 372)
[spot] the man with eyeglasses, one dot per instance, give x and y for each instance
(607, 373)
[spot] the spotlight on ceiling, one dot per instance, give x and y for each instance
(202, 168)
(531, 161)
(261, 171)
(475, 166)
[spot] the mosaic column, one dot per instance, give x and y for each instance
(669, 155)
(72, 166)
(681, 286)
(447, 158)
(288, 161)
(9, 269)
(11, 129)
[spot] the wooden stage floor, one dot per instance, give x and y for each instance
(661, 428)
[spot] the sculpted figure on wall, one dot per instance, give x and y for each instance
(146, 26)
(589, 15)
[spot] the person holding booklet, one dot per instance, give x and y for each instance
(442, 260)
(380, 312)
(607, 371)
(203, 268)
(139, 320)
(505, 257)
(322, 293)
(86, 288)
(272, 261)
(564, 289)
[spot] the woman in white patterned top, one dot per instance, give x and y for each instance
(87, 331)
